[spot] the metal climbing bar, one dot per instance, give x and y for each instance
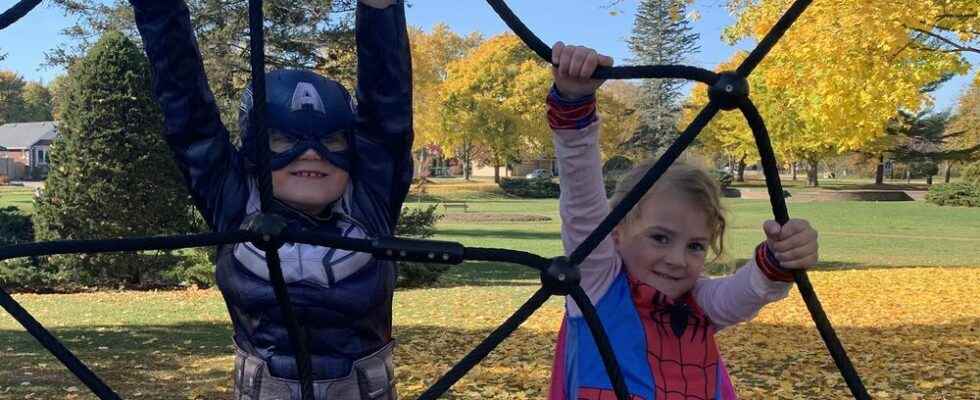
(602, 342)
(504, 255)
(486, 346)
(297, 336)
(56, 348)
(559, 276)
(727, 91)
(627, 72)
(769, 167)
(16, 12)
(502, 332)
(131, 244)
(767, 43)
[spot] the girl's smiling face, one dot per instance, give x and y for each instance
(666, 244)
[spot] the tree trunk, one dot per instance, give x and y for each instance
(496, 172)
(949, 166)
(422, 165)
(880, 170)
(908, 174)
(929, 180)
(811, 173)
(467, 161)
(793, 167)
(741, 170)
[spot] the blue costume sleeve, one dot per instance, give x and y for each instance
(384, 94)
(211, 165)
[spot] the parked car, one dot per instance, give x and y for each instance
(539, 174)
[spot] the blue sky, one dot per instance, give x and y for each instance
(585, 22)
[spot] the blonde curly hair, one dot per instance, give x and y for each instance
(693, 182)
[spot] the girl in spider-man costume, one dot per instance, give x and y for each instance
(646, 279)
(336, 168)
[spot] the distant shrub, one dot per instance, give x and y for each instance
(971, 173)
(24, 273)
(955, 194)
(725, 179)
(616, 166)
(418, 223)
(542, 188)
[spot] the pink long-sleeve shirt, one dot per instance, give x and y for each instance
(656, 363)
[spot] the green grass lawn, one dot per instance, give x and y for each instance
(19, 196)
(851, 233)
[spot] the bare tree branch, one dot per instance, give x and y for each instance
(959, 47)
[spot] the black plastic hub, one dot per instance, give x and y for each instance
(269, 226)
(560, 277)
(729, 90)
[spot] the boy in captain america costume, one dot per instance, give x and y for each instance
(336, 168)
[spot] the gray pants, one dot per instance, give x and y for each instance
(371, 378)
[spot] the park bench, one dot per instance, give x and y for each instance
(447, 206)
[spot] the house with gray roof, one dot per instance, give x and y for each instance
(24, 148)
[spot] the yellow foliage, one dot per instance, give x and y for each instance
(494, 97)
(617, 107)
(967, 117)
(911, 333)
(431, 53)
(843, 69)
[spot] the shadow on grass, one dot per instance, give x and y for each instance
(933, 360)
(184, 361)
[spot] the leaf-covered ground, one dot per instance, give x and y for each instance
(914, 333)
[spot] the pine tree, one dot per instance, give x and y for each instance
(661, 35)
(308, 34)
(112, 174)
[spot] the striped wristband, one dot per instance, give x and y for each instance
(769, 265)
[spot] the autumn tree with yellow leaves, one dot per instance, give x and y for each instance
(494, 97)
(618, 106)
(845, 68)
(432, 52)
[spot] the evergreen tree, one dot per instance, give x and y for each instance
(112, 174)
(309, 34)
(661, 35)
(925, 140)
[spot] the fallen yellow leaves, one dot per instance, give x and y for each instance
(912, 333)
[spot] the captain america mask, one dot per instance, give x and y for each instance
(303, 111)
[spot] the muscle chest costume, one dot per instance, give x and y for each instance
(666, 349)
(342, 299)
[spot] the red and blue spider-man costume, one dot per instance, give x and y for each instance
(666, 349)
